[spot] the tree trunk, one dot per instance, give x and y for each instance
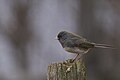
(60, 71)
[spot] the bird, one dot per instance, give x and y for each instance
(79, 45)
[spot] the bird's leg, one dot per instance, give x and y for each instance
(79, 57)
(75, 58)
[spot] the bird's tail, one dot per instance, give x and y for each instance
(104, 46)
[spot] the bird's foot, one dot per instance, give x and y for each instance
(69, 64)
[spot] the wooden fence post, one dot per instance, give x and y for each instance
(58, 71)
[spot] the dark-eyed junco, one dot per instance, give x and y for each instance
(76, 44)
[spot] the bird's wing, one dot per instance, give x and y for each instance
(82, 43)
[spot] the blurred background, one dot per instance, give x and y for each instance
(28, 29)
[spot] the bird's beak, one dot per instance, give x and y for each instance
(56, 38)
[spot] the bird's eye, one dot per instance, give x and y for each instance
(59, 36)
(62, 35)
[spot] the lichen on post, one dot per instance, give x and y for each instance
(58, 71)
